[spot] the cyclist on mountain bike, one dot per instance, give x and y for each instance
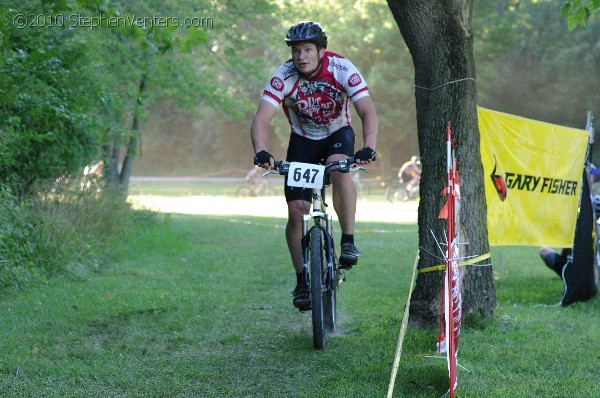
(314, 87)
(256, 180)
(410, 173)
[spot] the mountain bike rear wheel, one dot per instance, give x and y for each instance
(317, 265)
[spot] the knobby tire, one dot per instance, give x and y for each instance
(242, 192)
(396, 193)
(316, 260)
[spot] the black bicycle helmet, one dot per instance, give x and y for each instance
(306, 31)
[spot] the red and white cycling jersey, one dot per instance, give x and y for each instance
(319, 106)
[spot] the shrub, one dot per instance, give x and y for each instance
(62, 231)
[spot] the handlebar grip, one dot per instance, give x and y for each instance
(282, 166)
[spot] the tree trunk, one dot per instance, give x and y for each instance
(439, 37)
(110, 158)
(132, 146)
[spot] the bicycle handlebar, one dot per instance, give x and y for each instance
(282, 167)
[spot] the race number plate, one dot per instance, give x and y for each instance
(305, 175)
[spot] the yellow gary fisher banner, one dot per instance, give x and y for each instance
(533, 173)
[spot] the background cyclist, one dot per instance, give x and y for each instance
(410, 173)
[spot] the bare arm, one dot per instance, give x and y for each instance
(370, 123)
(260, 129)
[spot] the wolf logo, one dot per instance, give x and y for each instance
(498, 181)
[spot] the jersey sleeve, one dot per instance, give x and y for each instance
(274, 91)
(355, 84)
(352, 80)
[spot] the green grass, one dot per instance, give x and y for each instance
(374, 188)
(184, 188)
(199, 306)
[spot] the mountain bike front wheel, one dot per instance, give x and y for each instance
(317, 266)
(396, 193)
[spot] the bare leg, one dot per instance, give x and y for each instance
(344, 198)
(293, 231)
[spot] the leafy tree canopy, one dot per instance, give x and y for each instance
(73, 70)
(72, 74)
(578, 12)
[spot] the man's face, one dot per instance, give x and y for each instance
(306, 57)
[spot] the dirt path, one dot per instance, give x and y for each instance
(381, 211)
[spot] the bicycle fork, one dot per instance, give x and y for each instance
(318, 216)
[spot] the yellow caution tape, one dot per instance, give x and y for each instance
(467, 262)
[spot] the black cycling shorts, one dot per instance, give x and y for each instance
(302, 149)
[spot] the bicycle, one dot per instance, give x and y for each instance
(319, 259)
(262, 188)
(398, 191)
(256, 185)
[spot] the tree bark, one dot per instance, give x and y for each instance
(439, 37)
